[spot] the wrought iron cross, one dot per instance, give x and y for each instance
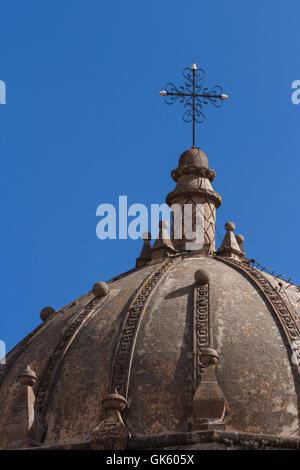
(193, 95)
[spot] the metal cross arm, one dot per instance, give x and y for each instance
(166, 93)
(193, 95)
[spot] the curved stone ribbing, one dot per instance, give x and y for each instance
(122, 366)
(48, 379)
(273, 299)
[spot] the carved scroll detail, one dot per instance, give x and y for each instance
(122, 366)
(201, 327)
(274, 300)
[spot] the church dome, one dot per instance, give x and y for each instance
(190, 349)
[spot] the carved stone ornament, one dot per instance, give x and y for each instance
(25, 426)
(111, 433)
(208, 401)
(230, 247)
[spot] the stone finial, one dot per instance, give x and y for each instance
(100, 289)
(193, 179)
(209, 404)
(230, 226)
(111, 433)
(229, 247)
(28, 377)
(163, 246)
(208, 357)
(201, 277)
(240, 240)
(145, 255)
(46, 313)
(25, 425)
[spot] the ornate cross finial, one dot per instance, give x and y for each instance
(193, 95)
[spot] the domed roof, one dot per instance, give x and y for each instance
(75, 369)
(160, 352)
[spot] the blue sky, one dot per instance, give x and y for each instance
(84, 123)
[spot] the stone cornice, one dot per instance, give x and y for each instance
(228, 439)
(193, 170)
(212, 195)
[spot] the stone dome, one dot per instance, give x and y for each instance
(190, 349)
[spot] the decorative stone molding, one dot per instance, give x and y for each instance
(111, 433)
(208, 401)
(201, 322)
(212, 195)
(200, 440)
(196, 171)
(122, 365)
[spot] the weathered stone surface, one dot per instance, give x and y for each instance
(25, 426)
(253, 371)
(85, 371)
(209, 402)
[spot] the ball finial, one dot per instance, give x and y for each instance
(229, 226)
(100, 289)
(201, 276)
(240, 238)
(46, 313)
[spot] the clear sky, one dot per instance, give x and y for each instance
(84, 123)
